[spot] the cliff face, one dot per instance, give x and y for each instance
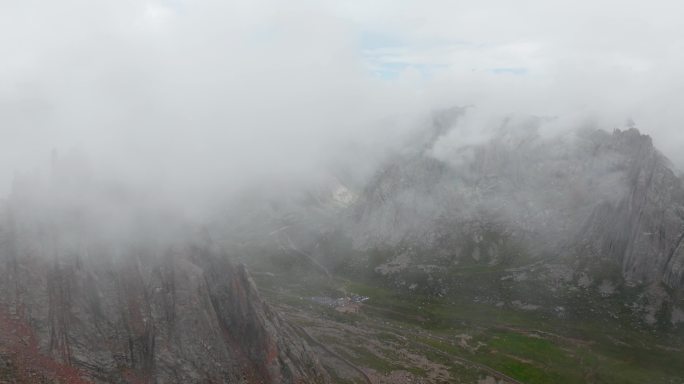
(184, 317)
(590, 196)
(95, 292)
(644, 231)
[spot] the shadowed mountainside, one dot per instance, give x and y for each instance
(96, 291)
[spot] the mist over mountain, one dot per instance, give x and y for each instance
(104, 279)
(590, 194)
(584, 203)
(204, 191)
(548, 219)
(104, 284)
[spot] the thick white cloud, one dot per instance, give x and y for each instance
(194, 94)
(610, 60)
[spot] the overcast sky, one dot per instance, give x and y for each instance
(187, 92)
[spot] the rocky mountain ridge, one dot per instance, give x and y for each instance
(96, 291)
(593, 195)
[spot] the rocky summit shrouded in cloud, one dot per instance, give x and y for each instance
(205, 191)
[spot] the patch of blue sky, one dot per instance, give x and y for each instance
(388, 71)
(389, 55)
(392, 70)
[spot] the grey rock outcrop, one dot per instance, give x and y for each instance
(591, 196)
(644, 231)
(96, 291)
